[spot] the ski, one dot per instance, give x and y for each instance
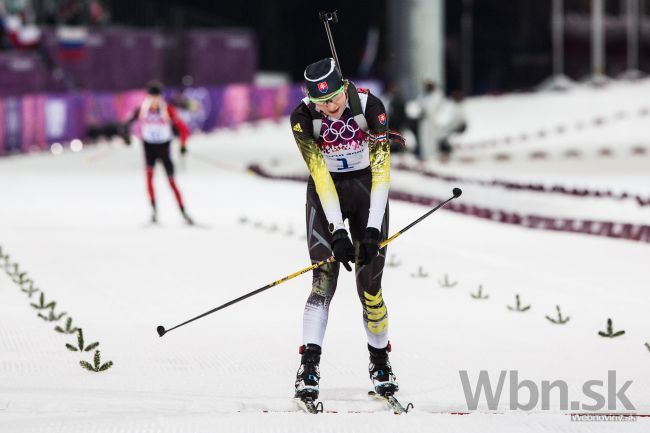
(392, 402)
(309, 405)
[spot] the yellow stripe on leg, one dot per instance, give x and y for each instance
(376, 313)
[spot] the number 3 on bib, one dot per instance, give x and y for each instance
(344, 163)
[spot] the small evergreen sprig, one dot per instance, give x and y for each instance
(14, 266)
(393, 263)
(518, 306)
(480, 294)
(42, 305)
(81, 347)
(97, 365)
(560, 320)
(420, 273)
(51, 317)
(6, 261)
(647, 346)
(610, 331)
(69, 329)
(20, 277)
(446, 284)
(29, 290)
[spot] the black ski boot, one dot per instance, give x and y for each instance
(189, 221)
(154, 213)
(308, 374)
(381, 373)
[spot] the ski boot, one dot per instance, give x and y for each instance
(154, 214)
(308, 374)
(381, 373)
(189, 221)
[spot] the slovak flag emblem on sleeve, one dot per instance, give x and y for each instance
(322, 86)
(382, 118)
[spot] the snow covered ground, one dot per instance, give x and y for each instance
(77, 224)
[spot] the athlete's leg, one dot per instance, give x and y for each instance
(368, 278)
(324, 278)
(150, 161)
(165, 156)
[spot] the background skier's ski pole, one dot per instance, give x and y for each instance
(162, 331)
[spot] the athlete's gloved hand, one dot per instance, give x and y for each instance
(342, 248)
(124, 132)
(369, 247)
(183, 150)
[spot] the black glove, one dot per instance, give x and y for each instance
(369, 247)
(342, 248)
(124, 132)
(183, 150)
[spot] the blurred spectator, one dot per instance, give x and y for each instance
(3, 30)
(72, 12)
(438, 119)
(97, 13)
(450, 119)
(21, 34)
(396, 109)
(423, 111)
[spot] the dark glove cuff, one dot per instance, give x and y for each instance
(372, 234)
(338, 235)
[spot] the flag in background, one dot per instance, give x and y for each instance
(72, 42)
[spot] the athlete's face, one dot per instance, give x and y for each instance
(155, 102)
(333, 107)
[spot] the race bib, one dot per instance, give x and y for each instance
(156, 132)
(343, 144)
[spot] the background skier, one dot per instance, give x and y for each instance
(158, 121)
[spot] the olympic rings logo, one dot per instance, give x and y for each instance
(339, 130)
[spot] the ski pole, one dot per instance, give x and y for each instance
(162, 331)
(326, 18)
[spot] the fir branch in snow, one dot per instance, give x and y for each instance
(610, 331)
(29, 290)
(69, 329)
(446, 284)
(19, 278)
(480, 294)
(15, 270)
(97, 365)
(392, 263)
(86, 365)
(91, 346)
(42, 305)
(81, 347)
(51, 317)
(518, 306)
(420, 273)
(560, 320)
